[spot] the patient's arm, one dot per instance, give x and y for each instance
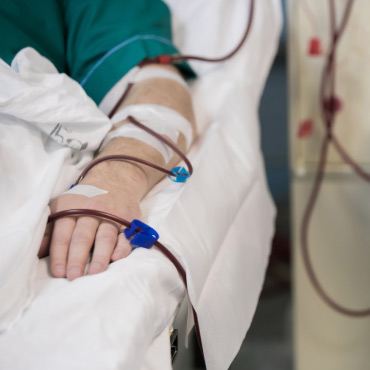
(72, 239)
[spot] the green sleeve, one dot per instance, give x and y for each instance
(105, 39)
(38, 24)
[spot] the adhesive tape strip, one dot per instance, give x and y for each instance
(150, 72)
(131, 131)
(163, 120)
(137, 74)
(86, 190)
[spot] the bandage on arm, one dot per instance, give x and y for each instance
(170, 95)
(162, 120)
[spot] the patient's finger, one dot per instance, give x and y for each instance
(60, 240)
(123, 248)
(82, 240)
(105, 241)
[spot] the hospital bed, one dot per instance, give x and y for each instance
(219, 226)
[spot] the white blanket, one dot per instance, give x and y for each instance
(219, 224)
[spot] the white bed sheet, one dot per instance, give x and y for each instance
(109, 321)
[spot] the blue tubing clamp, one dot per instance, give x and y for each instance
(140, 235)
(179, 174)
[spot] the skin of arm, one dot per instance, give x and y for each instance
(72, 240)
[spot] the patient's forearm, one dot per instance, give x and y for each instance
(159, 91)
(125, 183)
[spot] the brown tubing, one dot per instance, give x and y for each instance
(328, 77)
(125, 158)
(121, 99)
(328, 81)
(107, 216)
(121, 158)
(164, 140)
(169, 59)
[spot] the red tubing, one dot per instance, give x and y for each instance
(328, 115)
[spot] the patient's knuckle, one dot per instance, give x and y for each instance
(60, 236)
(101, 258)
(105, 237)
(75, 265)
(57, 262)
(76, 262)
(119, 248)
(81, 237)
(123, 248)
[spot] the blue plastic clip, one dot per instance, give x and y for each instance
(140, 234)
(180, 174)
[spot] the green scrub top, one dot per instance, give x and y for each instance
(95, 42)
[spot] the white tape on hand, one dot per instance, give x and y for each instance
(86, 190)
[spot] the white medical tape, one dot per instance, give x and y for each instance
(131, 131)
(134, 75)
(86, 190)
(163, 120)
(151, 71)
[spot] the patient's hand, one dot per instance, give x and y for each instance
(73, 239)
